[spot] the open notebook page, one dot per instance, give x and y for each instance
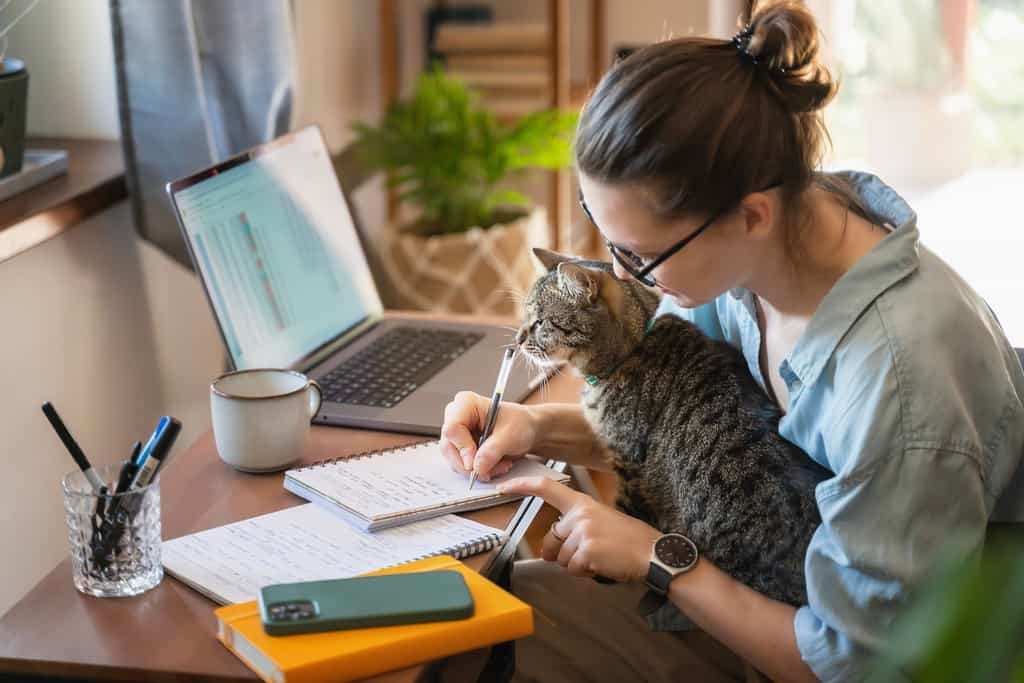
(405, 481)
(305, 543)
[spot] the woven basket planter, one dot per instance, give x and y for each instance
(477, 271)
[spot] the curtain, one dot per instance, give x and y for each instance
(198, 81)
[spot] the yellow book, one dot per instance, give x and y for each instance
(346, 655)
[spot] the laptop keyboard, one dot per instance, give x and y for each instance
(399, 362)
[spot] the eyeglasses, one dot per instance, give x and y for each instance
(636, 266)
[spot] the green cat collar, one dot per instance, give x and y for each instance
(594, 380)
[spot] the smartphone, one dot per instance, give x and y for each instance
(363, 602)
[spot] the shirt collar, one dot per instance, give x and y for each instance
(888, 262)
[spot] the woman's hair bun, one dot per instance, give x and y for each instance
(784, 37)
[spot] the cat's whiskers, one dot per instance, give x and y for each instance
(543, 363)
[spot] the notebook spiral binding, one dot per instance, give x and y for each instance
(461, 551)
(362, 455)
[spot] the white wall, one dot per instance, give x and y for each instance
(115, 335)
(66, 47)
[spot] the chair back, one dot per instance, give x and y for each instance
(1008, 522)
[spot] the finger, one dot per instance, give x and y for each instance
(552, 543)
(568, 549)
(501, 469)
(461, 416)
(573, 539)
(557, 495)
(453, 458)
(579, 565)
(490, 462)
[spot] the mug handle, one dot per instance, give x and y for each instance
(314, 408)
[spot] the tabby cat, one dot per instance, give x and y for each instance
(692, 436)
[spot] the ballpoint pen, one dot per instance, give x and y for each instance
(492, 412)
(156, 450)
(72, 446)
(146, 467)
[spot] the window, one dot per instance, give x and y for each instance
(932, 101)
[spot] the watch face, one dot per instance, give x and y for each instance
(676, 551)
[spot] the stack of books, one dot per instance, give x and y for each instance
(508, 65)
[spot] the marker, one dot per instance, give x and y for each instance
(155, 451)
(113, 524)
(72, 446)
(141, 456)
(492, 412)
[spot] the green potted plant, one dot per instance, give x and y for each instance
(467, 244)
(966, 623)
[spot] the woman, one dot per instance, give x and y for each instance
(893, 374)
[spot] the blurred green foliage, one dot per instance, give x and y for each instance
(898, 45)
(966, 623)
(448, 156)
(997, 82)
(905, 49)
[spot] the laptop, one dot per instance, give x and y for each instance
(275, 246)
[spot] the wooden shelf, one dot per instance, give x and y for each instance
(94, 182)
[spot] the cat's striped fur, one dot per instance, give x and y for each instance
(692, 436)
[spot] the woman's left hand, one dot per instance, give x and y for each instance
(590, 538)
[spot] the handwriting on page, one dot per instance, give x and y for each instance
(304, 543)
(406, 480)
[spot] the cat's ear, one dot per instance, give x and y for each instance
(550, 259)
(579, 282)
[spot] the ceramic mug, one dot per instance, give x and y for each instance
(261, 417)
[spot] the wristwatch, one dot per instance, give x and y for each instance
(672, 555)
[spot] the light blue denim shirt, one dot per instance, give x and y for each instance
(905, 387)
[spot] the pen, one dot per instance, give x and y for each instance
(140, 457)
(151, 458)
(156, 450)
(128, 470)
(107, 526)
(72, 446)
(492, 412)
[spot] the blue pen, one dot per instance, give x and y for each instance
(148, 448)
(155, 451)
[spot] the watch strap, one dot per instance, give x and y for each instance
(659, 578)
(651, 602)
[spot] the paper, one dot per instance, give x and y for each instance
(405, 481)
(305, 543)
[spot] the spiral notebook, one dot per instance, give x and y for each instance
(382, 489)
(229, 564)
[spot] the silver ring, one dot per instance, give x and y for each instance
(555, 533)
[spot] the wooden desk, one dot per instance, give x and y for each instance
(167, 634)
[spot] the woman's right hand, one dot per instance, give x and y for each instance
(514, 434)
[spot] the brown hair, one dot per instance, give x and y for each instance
(705, 122)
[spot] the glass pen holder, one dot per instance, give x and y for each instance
(115, 538)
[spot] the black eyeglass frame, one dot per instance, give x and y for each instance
(632, 263)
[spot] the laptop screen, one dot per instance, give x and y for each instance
(274, 242)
